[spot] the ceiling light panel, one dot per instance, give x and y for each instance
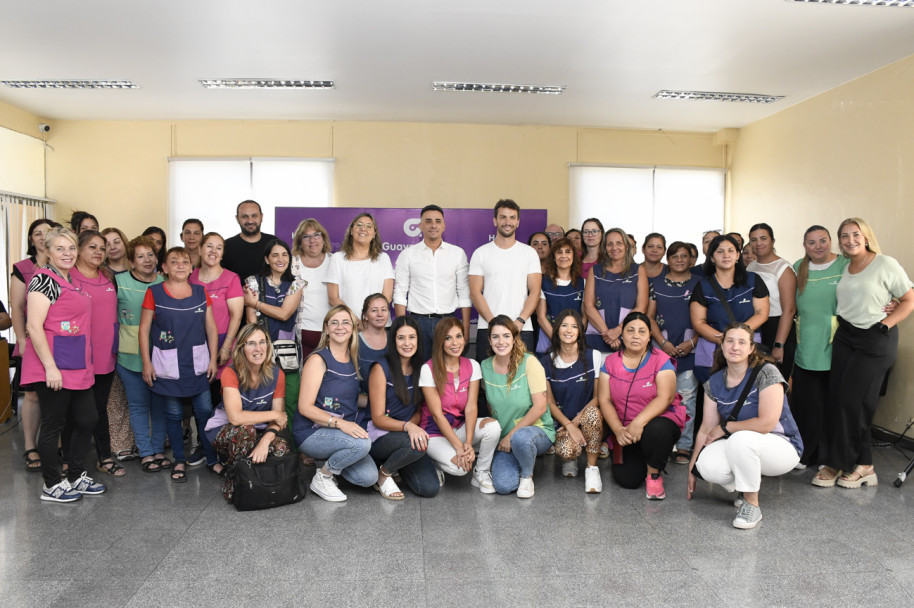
(265, 83)
(70, 84)
(712, 96)
(909, 3)
(477, 87)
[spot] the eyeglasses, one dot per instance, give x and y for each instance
(364, 226)
(314, 235)
(335, 323)
(555, 235)
(252, 343)
(590, 232)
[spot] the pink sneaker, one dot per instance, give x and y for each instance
(655, 488)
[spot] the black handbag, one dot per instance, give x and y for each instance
(279, 480)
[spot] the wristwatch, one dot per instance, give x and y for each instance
(778, 345)
(522, 320)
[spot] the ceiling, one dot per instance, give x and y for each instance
(613, 56)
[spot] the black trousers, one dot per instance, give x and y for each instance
(808, 403)
(657, 441)
(769, 330)
(859, 362)
(102, 432)
(55, 407)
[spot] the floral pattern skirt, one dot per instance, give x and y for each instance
(234, 442)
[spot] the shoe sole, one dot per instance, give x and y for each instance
(481, 487)
(92, 493)
(746, 525)
(196, 463)
(867, 480)
(569, 474)
(593, 490)
(326, 497)
(530, 495)
(47, 498)
(662, 497)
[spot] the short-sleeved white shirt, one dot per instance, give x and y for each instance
(504, 273)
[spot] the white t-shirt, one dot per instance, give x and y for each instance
(771, 274)
(427, 378)
(314, 304)
(358, 279)
(504, 274)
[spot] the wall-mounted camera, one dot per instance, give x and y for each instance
(44, 127)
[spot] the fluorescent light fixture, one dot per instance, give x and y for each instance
(498, 88)
(70, 84)
(711, 96)
(264, 83)
(909, 3)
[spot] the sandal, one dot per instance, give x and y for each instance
(389, 489)
(125, 455)
(682, 456)
(179, 475)
(32, 465)
(222, 469)
(826, 478)
(111, 468)
(164, 463)
(859, 476)
(150, 466)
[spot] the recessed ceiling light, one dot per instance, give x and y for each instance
(860, 2)
(264, 83)
(498, 88)
(710, 96)
(70, 84)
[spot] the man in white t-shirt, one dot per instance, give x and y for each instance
(431, 279)
(505, 279)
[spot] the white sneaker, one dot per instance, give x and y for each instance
(800, 467)
(60, 492)
(593, 483)
(325, 487)
(85, 485)
(440, 475)
(747, 517)
(570, 468)
(483, 481)
(525, 488)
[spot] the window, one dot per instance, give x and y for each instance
(16, 214)
(210, 190)
(679, 203)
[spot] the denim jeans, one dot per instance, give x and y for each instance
(687, 387)
(396, 455)
(147, 414)
(427, 327)
(174, 417)
(344, 454)
(527, 443)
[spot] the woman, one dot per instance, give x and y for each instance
(577, 241)
(57, 365)
(540, 242)
(748, 255)
(743, 296)
(398, 442)
(571, 391)
(224, 290)
(178, 341)
(450, 384)
(637, 393)
(778, 332)
(272, 298)
(672, 331)
(863, 350)
(592, 233)
(761, 438)
(706, 238)
(191, 236)
(115, 250)
(516, 393)
(614, 287)
(20, 277)
(310, 261)
(147, 412)
(83, 220)
(324, 426)
(252, 413)
(158, 238)
(653, 249)
(359, 268)
(372, 346)
(563, 288)
(90, 276)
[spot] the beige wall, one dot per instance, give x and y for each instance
(848, 152)
(21, 152)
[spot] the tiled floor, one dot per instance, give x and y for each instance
(148, 542)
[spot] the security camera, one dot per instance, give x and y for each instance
(44, 127)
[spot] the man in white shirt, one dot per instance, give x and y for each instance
(505, 279)
(431, 279)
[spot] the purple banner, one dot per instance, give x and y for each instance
(399, 228)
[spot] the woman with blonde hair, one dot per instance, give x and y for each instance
(310, 261)
(359, 268)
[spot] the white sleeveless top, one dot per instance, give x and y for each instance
(771, 274)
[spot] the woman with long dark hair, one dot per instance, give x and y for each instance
(592, 235)
(563, 288)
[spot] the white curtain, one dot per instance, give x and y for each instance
(16, 213)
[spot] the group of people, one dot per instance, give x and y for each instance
(579, 350)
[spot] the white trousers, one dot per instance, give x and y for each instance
(739, 462)
(485, 440)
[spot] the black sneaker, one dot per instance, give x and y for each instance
(196, 457)
(187, 434)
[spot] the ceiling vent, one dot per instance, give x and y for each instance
(477, 87)
(264, 83)
(70, 84)
(711, 96)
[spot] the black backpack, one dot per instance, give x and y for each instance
(280, 480)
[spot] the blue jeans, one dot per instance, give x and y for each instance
(427, 333)
(416, 469)
(527, 443)
(174, 417)
(344, 454)
(147, 415)
(687, 387)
